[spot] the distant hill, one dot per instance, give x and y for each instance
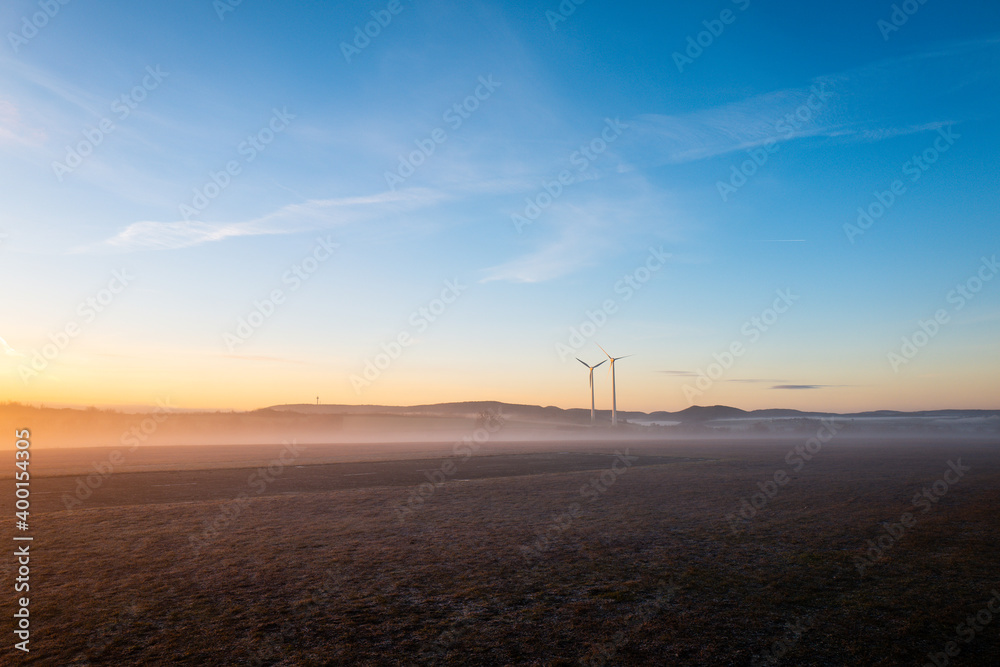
(696, 414)
(304, 423)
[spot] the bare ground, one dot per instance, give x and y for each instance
(646, 570)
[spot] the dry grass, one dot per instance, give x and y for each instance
(333, 578)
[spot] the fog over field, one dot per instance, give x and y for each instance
(162, 437)
(819, 541)
(490, 533)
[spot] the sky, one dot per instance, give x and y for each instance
(231, 205)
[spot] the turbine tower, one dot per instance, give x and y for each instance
(614, 398)
(591, 386)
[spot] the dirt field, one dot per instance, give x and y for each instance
(582, 557)
(268, 477)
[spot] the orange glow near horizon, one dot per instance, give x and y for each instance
(234, 384)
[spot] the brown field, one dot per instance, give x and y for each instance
(320, 567)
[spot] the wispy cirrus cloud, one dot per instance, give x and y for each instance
(8, 350)
(583, 228)
(552, 261)
(266, 359)
(14, 129)
(581, 224)
(781, 385)
(874, 102)
(574, 245)
(800, 386)
(753, 380)
(659, 139)
(290, 219)
(53, 85)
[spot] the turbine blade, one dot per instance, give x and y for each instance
(605, 361)
(604, 351)
(583, 362)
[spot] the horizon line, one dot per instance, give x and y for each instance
(139, 408)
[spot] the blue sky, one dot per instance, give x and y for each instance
(833, 106)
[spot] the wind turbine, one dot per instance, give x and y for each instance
(591, 386)
(614, 398)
